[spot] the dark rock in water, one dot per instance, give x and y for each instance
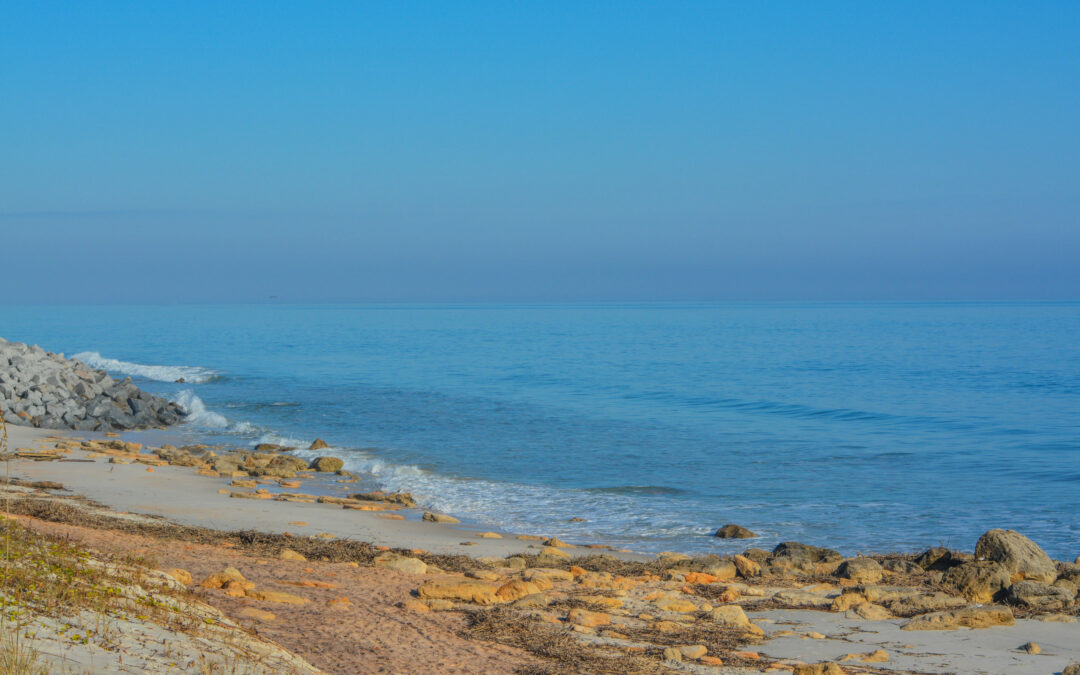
(327, 464)
(733, 531)
(180, 380)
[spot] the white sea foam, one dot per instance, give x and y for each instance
(197, 412)
(191, 374)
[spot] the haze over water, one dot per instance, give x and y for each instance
(881, 426)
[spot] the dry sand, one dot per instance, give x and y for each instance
(371, 634)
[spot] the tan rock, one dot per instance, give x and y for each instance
(846, 601)
(318, 444)
(516, 589)
(871, 612)
(977, 581)
(1021, 557)
(552, 552)
(746, 567)
(675, 603)
(289, 554)
(257, 614)
(824, 668)
(1031, 648)
(860, 570)
(733, 531)
(489, 535)
(971, 617)
(583, 617)
(277, 597)
(415, 606)
(400, 563)
(327, 464)
(468, 590)
(432, 517)
(693, 652)
(181, 575)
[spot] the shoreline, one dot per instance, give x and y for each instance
(811, 624)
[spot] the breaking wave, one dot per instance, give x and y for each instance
(190, 374)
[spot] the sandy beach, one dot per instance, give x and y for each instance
(363, 613)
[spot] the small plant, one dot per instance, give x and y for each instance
(17, 655)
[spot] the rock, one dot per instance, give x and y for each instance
(802, 599)
(489, 535)
(557, 543)
(318, 444)
(515, 589)
(468, 590)
(1033, 595)
(871, 612)
(977, 581)
(277, 596)
(402, 498)
(971, 617)
(400, 563)
(432, 517)
(733, 616)
(181, 575)
(746, 567)
(860, 570)
(1071, 669)
(221, 578)
(583, 617)
(937, 558)
(1021, 557)
(672, 654)
(327, 464)
(1031, 648)
(675, 603)
(693, 652)
(791, 556)
(733, 531)
(921, 603)
(289, 554)
(553, 553)
(257, 614)
(900, 566)
(824, 668)
(876, 656)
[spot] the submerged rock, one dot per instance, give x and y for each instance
(733, 531)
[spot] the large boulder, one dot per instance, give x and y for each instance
(860, 570)
(1033, 595)
(733, 531)
(327, 464)
(1021, 557)
(971, 617)
(791, 556)
(977, 581)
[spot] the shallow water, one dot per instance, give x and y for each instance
(865, 427)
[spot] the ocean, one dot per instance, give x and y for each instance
(865, 427)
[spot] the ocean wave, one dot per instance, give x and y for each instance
(190, 374)
(197, 412)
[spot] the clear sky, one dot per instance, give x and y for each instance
(443, 151)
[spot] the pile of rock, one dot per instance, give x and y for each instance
(43, 389)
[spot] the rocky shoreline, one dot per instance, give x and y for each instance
(41, 389)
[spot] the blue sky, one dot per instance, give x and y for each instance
(540, 151)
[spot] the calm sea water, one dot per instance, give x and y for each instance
(866, 427)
